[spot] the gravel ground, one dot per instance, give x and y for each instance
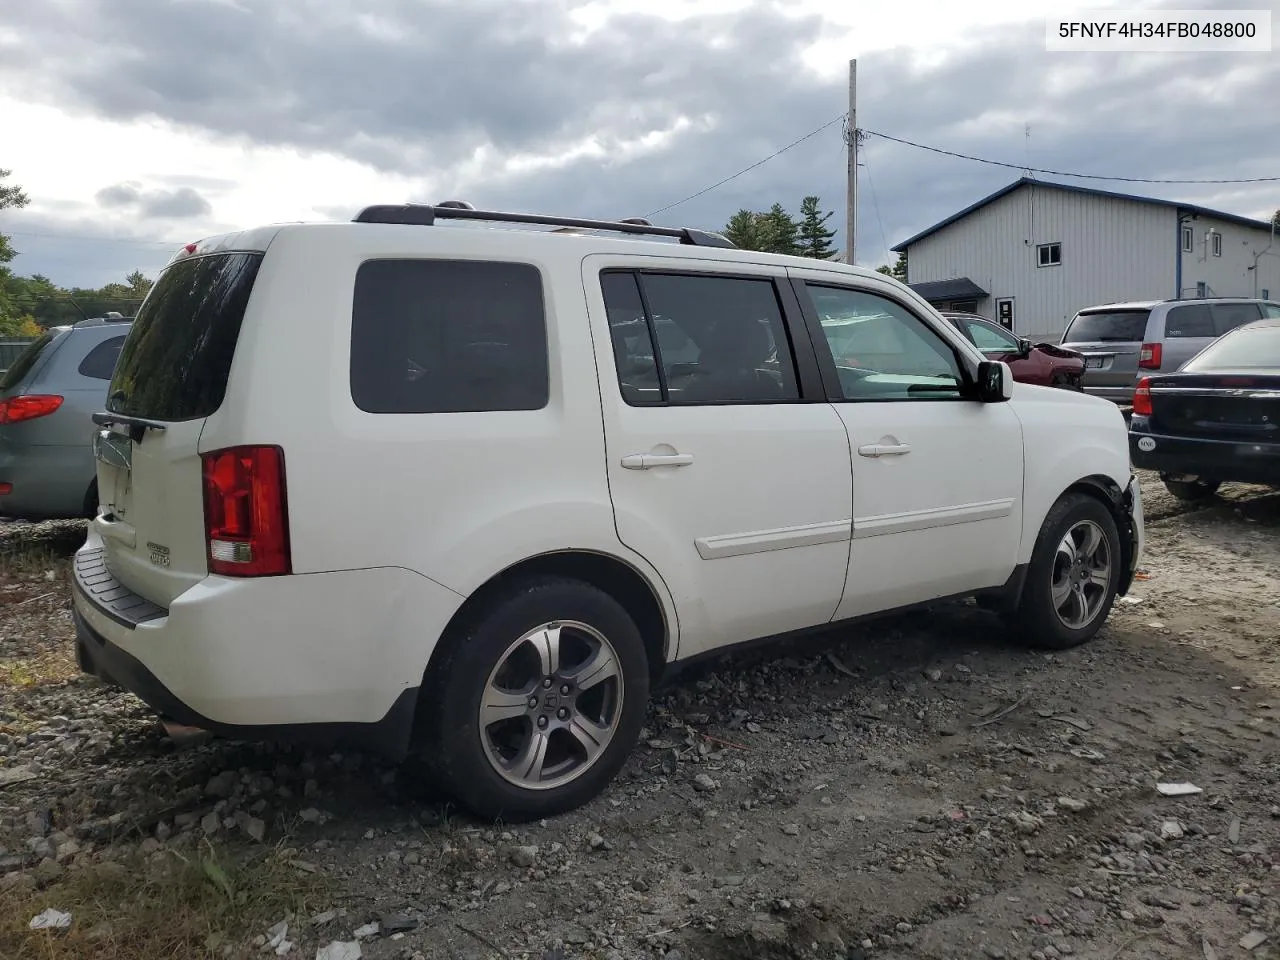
(917, 788)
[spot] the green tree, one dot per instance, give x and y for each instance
(1275, 219)
(813, 235)
(11, 196)
(898, 271)
(779, 233)
(743, 230)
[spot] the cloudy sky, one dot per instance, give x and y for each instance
(139, 125)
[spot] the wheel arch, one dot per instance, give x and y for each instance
(1106, 491)
(615, 576)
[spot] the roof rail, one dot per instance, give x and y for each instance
(112, 317)
(424, 215)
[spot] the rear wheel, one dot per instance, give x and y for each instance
(537, 701)
(1073, 576)
(1191, 490)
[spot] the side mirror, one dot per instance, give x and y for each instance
(995, 381)
(1024, 347)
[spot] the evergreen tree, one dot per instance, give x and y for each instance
(778, 232)
(743, 229)
(813, 235)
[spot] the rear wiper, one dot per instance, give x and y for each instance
(138, 426)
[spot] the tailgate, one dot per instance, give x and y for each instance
(1109, 364)
(171, 376)
(1111, 341)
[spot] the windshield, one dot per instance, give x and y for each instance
(1249, 346)
(1121, 326)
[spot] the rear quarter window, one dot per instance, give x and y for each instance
(100, 362)
(1193, 321)
(177, 356)
(1228, 316)
(448, 336)
(1108, 326)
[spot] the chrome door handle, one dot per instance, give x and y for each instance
(646, 461)
(884, 449)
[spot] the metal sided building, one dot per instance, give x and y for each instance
(1033, 253)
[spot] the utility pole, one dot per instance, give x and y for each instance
(851, 136)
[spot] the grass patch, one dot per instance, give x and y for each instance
(55, 667)
(190, 904)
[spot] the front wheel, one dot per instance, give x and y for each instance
(1073, 576)
(538, 701)
(1191, 491)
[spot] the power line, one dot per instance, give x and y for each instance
(758, 163)
(884, 238)
(1060, 173)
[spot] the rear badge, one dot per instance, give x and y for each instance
(1146, 444)
(159, 554)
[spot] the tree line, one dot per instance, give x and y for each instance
(30, 305)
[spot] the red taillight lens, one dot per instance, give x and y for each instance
(246, 517)
(18, 409)
(1142, 398)
(1149, 356)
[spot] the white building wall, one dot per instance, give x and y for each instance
(1231, 275)
(1112, 250)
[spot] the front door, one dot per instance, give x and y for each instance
(1004, 313)
(937, 476)
(728, 471)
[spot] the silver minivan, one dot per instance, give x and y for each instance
(1124, 342)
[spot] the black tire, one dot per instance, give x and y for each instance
(453, 736)
(1191, 491)
(1036, 620)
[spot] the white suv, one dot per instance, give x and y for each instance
(471, 492)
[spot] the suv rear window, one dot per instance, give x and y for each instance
(1108, 326)
(176, 359)
(26, 360)
(448, 336)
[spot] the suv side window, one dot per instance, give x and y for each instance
(1271, 311)
(100, 362)
(719, 339)
(882, 351)
(1228, 316)
(1193, 320)
(448, 336)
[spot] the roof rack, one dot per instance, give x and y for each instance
(424, 215)
(111, 317)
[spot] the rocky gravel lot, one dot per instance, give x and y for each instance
(915, 788)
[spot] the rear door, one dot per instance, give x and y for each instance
(1111, 341)
(728, 470)
(171, 375)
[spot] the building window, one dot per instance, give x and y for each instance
(1188, 239)
(1266, 294)
(1217, 244)
(1049, 254)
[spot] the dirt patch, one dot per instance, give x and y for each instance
(918, 788)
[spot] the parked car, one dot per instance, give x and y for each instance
(1045, 364)
(1123, 342)
(1217, 419)
(47, 399)
(438, 490)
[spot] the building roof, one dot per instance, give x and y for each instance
(960, 288)
(1090, 191)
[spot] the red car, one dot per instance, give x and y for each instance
(1045, 364)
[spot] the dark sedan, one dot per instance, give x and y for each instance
(1217, 419)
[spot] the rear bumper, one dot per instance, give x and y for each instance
(1221, 460)
(333, 659)
(48, 481)
(1121, 395)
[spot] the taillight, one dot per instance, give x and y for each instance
(18, 409)
(1149, 356)
(246, 517)
(1142, 398)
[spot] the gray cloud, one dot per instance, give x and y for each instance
(179, 204)
(419, 88)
